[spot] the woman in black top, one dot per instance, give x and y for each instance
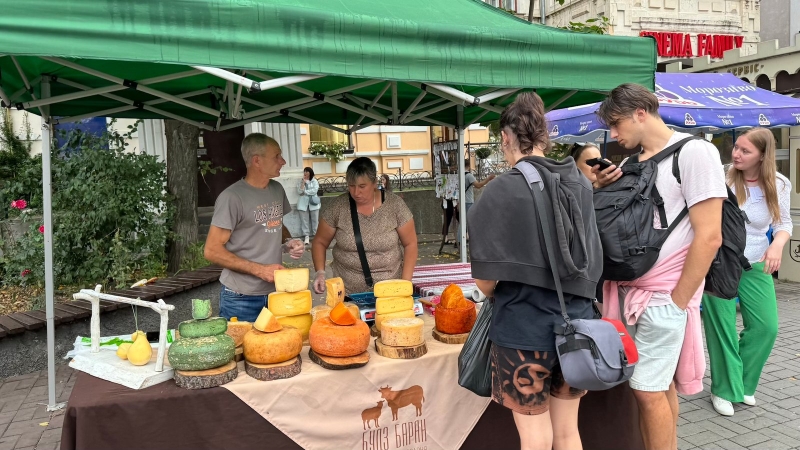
(510, 264)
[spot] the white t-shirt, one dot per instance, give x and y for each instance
(702, 178)
(755, 206)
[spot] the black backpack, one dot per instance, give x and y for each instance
(624, 212)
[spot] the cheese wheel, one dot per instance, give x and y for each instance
(455, 320)
(328, 339)
(334, 291)
(379, 318)
(402, 332)
(266, 321)
(291, 280)
(319, 312)
(452, 297)
(272, 348)
(388, 305)
(195, 328)
(289, 303)
(353, 309)
(200, 353)
(393, 288)
(301, 322)
(237, 330)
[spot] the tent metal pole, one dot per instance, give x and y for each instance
(494, 95)
(395, 111)
(561, 100)
(316, 122)
(605, 143)
(462, 207)
(16, 95)
(232, 77)
(265, 116)
(480, 116)
(413, 105)
(47, 191)
(436, 122)
(4, 98)
(452, 92)
(355, 128)
(429, 112)
(24, 78)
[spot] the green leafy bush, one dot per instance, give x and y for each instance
(110, 213)
(333, 151)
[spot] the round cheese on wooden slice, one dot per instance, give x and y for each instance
(320, 312)
(272, 348)
(329, 339)
(379, 318)
(403, 332)
(301, 322)
(455, 320)
(237, 330)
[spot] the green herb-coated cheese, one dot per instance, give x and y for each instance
(202, 328)
(201, 353)
(201, 309)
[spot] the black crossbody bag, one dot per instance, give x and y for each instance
(362, 254)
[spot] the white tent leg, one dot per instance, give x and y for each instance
(48, 253)
(462, 207)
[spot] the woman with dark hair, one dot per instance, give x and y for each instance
(763, 193)
(386, 228)
(386, 183)
(582, 153)
(511, 266)
(308, 204)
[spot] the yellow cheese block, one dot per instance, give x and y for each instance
(393, 288)
(291, 280)
(402, 332)
(289, 303)
(334, 291)
(320, 312)
(353, 309)
(301, 322)
(379, 318)
(388, 305)
(265, 322)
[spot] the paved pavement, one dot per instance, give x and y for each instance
(774, 423)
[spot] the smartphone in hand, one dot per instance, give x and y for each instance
(604, 163)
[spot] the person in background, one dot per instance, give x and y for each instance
(247, 230)
(583, 152)
(308, 211)
(738, 359)
(387, 231)
(469, 195)
(510, 265)
(664, 303)
(386, 183)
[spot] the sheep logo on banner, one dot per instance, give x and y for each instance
(689, 120)
(762, 120)
(554, 131)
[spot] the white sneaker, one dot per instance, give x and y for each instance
(749, 400)
(306, 242)
(722, 406)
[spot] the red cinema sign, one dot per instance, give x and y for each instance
(679, 45)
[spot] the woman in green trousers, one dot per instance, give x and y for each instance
(763, 194)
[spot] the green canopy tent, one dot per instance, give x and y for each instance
(220, 64)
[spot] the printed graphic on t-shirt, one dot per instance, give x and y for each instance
(270, 216)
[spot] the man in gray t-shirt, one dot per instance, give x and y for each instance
(247, 234)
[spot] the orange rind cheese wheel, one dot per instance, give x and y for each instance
(455, 320)
(452, 297)
(328, 339)
(272, 348)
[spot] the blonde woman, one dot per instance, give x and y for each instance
(763, 193)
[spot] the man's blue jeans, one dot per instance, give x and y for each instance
(242, 306)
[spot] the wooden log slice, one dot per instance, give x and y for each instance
(400, 352)
(238, 354)
(333, 363)
(374, 331)
(450, 338)
(269, 372)
(204, 379)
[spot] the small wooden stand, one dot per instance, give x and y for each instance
(204, 379)
(334, 363)
(269, 372)
(450, 338)
(239, 354)
(374, 332)
(400, 352)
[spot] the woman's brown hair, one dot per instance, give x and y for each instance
(763, 140)
(525, 119)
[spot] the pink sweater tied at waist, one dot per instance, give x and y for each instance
(663, 277)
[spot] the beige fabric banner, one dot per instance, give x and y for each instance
(389, 404)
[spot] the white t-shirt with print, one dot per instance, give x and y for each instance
(702, 178)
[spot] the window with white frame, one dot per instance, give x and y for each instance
(393, 141)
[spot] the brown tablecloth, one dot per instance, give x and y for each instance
(103, 415)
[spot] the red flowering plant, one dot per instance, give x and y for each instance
(18, 208)
(24, 262)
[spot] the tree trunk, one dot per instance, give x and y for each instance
(182, 142)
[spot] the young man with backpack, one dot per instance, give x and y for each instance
(663, 303)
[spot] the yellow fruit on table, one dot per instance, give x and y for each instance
(140, 352)
(136, 334)
(122, 351)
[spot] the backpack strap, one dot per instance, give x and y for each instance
(362, 254)
(675, 150)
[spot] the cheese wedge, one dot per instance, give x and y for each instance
(334, 291)
(289, 303)
(266, 322)
(388, 305)
(301, 322)
(402, 332)
(393, 288)
(291, 280)
(353, 309)
(379, 318)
